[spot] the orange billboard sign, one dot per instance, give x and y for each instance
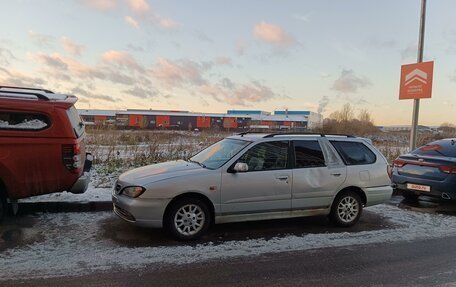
(416, 81)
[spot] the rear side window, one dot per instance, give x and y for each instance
(23, 121)
(354, 153)
(76, 121)
(308, 154)
(446, 148)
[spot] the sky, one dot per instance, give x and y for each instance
(211, 56)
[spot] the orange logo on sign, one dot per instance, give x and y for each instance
(416, 81)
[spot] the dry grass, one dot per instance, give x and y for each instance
(116, 151)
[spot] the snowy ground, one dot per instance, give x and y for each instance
(92, 194)
(75, 244)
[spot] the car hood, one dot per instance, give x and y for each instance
(160, 171)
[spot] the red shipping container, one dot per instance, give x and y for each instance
(162, 121)
(203, 122)
(230, 123)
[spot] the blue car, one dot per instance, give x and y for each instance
(429, 170)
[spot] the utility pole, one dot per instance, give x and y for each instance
(416, 102)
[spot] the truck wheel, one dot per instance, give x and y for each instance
(188, 219)
(346, 209)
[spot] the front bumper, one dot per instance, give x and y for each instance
(147, 212)
(82, 183)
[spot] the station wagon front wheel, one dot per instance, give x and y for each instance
(188, 219)
(346, 209)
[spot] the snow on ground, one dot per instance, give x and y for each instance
(92, 194)
(81, 248)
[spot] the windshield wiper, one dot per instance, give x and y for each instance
(197, 162)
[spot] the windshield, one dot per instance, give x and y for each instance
(219, 153)
(76, 121)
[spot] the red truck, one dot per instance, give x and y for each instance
(42, 146)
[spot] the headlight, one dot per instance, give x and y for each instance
(133, 191)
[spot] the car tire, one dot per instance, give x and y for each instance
(3, 205)
(188, 219)
(346, 209)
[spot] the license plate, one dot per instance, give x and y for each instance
(418, 187)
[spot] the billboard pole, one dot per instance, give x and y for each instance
(416, 102)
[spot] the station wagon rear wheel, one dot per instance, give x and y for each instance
(346, 209)
(188, 219)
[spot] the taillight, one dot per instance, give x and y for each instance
(448, 169)
(71, 154)
(399, 163)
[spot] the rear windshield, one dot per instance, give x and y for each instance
(445, 148)
(354, 153)
(75, 121)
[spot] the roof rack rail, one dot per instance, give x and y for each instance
(303, 133)
(24, 88)
(249, 132)
(38, 95)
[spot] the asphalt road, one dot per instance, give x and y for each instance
(422, 263)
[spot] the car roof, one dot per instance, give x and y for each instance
(26, 93)
(249, 136)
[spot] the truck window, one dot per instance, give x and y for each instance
(76, 121)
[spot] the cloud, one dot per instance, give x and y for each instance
(223, 61)
(102, 5)
(139, 6)
(409, 52)
(303, 17)
(123, 60)
(348, 82)
(80, 92)
(239, 95)
(241, 47)
(253, 92)
(142, 93)
(167, 23)
(72, 47)
(60, 67)
(272, 34)
(132, 22)
(203, 37)
(15, 78)
(177, 73)
(41, 40)
(6, 56)
(53, 60)
(145, 14)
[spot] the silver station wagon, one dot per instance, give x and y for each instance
(255, 177)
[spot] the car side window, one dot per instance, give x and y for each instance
(354, 153)
(266, 156)
(308, 154)
(23, 121)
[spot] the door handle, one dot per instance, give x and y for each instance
(336, 174)
(284, 177)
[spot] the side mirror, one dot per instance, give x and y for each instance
(241, 167)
